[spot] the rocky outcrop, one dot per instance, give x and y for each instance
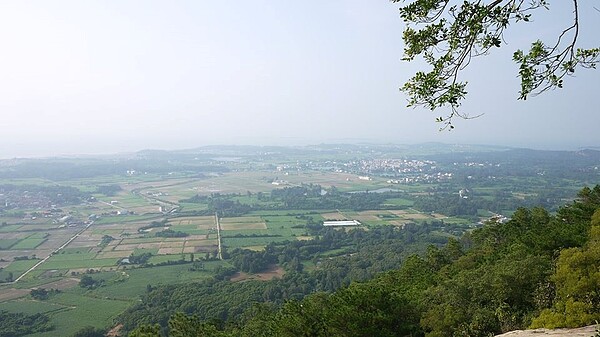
(588, 331)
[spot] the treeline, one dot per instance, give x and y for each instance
(536, 270)
(451, 204)
(109, 190)
(21, 324)
(169, 233)
(360, 255)
(220, 203)
(56, 169)
(153, 224)
(311, 196)
(305, 196)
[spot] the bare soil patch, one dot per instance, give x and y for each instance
(366, 217)
(255, 248)
(61, 284)
(115, 332)
(166, 251)
(243, 226)
(399, 223)
(418, 216)
(273, 272)
(129, 247)
(149, 245)
(114, 254)
(200, 221)
(10, 294)
(171, 244)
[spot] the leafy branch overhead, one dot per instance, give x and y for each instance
(448, 35)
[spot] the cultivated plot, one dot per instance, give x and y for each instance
(242, 223)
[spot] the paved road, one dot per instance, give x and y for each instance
(56, 251)
(219, 251)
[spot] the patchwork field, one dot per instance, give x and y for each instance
(242, 223)
(174, 190)
(101, 238)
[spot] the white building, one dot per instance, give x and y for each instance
(341, 223)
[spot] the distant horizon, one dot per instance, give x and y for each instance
(110, 152)
(175, 75)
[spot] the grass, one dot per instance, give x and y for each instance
(29, 243)
(7, 243)
(140, 251)
(289, 220)
(69, 251)
(20, 266)
(189, 207)
(17, 268)
(72, 257)
(130, 241)
(190, 229)
(33, 280)
(233, 233)
(81, 311)
(78, 264)
(252, 241)
(30, 307)
(131, 283)
(399, 202)
(9, 228)
(164, 258)
(285, 213)
(126, 219)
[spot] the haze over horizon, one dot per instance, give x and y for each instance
(101, 77)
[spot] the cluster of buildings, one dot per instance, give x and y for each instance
(422, 178)
(475, 164)
(400, 171)
(391, 165)
(24, 199)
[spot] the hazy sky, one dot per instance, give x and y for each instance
(112, 76)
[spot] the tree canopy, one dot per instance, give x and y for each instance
(448, 34)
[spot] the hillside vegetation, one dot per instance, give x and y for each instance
(537, 270)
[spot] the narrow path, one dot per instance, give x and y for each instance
(53, 252)
(219, 251)
(109, 204)
(138, 191)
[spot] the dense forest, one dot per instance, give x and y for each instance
(536, 270)
(20, 324)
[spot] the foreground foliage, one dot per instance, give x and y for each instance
(448, 34)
